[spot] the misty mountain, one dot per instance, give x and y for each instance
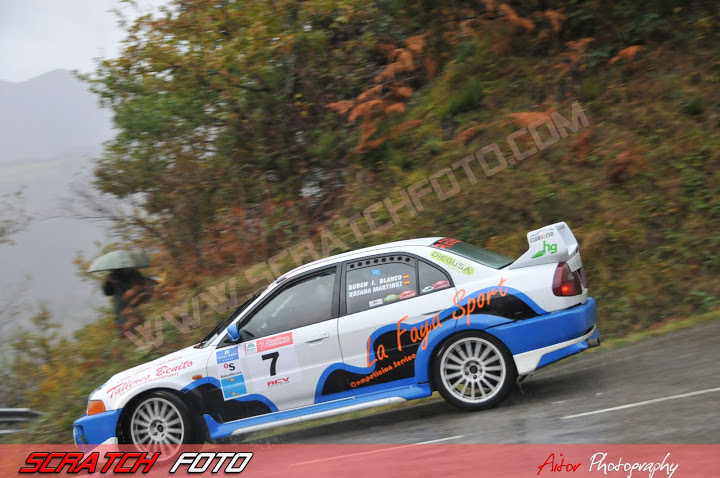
(51, 129)
(50, 114)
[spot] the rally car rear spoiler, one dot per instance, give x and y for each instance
(550, 244)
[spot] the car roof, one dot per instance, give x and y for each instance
(423, 241)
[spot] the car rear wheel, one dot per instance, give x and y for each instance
(161, 419)
(473, 371)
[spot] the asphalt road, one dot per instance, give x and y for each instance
(667, 389)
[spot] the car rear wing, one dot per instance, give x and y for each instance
(550, 244)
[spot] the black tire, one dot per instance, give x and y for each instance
(473, 371)
(160, 420)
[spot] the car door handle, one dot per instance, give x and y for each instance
(433, 312)
(317, 337)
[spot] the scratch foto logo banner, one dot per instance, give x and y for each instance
(155, 463)
(377, 461)
(453, 263)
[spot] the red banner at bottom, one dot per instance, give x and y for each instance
(412, 460)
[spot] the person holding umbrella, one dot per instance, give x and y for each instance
(128, 287)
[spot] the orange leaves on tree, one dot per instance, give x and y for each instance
(511, 17)
(490, 5)
(367, 129)
(501, 44)
(570, 59)
(388, 50)
(430, 66)
(556, 19)
(402, 92)
(371, 93)
(524, 119)
(341, 107)
(468, 27)
(465, 135)
(404, 63)
(623, 166)
(582, 145)
(395, 108)
(406, 126)
(626, 54)
(416, 44)
(406, 60)
(579, 45)
(364, 110)
(389, 94)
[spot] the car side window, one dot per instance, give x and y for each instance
(304, 303)
(371, 284)
(431, 278)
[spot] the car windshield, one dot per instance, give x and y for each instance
(474, 253)
(223, 324)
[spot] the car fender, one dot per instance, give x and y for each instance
(439, 336)
(172, 372)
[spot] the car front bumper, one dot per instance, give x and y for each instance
(97, 429)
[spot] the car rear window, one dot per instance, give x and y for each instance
(380, 284)
(474, 253)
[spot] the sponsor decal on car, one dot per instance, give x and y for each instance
(278, 382)
(382, 370)
(390, 298)
(407, 294)
(551, 248)
(441, 284)
(476, 303)
(427, 289)
(375, 303)
(232, 380)
(446, 243)
(453, 263)
(540, 236)
(156, 373)
(419, 332)
(274, 342)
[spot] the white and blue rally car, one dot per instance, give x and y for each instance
(358, 330)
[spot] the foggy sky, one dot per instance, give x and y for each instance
(37, 36)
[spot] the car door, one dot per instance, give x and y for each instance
(382, 297)
(286, 342)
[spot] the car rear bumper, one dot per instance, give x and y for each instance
(540, 341)
(97, 429)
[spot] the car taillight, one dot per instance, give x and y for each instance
(582, 277)
(566, 282)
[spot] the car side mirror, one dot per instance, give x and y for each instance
(233, 332)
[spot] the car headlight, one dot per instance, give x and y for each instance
(95, 406)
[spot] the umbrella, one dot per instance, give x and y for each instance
(120, 260)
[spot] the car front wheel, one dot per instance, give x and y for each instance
(161, 419)
(473, 371)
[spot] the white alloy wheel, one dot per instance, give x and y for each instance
(157, 421)
(473, 371)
